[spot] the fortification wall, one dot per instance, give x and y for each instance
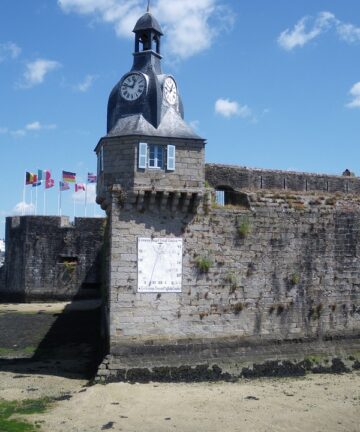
(243, 178)
(285, 269)
(48, 258)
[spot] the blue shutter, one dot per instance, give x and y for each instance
(142, 155)
(170, 158)
(220, 197)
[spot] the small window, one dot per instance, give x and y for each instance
(156, 156)
(170, 158)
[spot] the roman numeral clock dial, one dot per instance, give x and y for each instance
(132, 87)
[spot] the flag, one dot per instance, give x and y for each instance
(64, 186)
(79, 187)
(92, 178)
(68, 177)
(49, 183)
(41, 175)
(38, 183)
(30, 178)
(44, 175)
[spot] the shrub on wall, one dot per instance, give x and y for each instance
(243, 226)
(203, 264)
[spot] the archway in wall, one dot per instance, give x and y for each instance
(226, 195)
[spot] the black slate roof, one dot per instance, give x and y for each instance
(147, 22)
(171, 126)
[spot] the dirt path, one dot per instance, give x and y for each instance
(316, 403)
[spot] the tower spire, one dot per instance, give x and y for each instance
(148, 6)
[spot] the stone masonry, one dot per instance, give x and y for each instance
(48, 258)
(283, 268)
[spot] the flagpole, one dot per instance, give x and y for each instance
(36, 200)
(31, 197)
(59, 201)
(86, 187)
(24, 196)
(74, 207)
(44, 208)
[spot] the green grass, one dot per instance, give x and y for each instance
(26, 407)
(10, 351)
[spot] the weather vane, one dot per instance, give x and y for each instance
(148, 6)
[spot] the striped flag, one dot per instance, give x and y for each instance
(92, 178)
(68, 177)
(64, 186)
(30, 178)
(36, 184)
(79, 187)
(49, 183)
(44, 175)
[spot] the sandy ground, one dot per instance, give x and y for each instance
(316, 403)
(48, 307)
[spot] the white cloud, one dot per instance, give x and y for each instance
(36, 71)
(9, 50)
(36, 126)
(227, 108)
(300, 35)
(309, 28)
(85, 85)
(190, 26)
(348, 32)
(79, 197)
(355, 93)
(23, 208)
(19, 133)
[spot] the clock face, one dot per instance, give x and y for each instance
(170, 90)
(159, 264)
(132, 87)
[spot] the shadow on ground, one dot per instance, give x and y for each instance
(66, 344)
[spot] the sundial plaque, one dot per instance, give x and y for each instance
(159, 264)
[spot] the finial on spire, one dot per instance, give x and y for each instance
(148, 6)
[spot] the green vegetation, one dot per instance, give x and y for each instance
(26, 407)
(70, 266)
(11, 351)
(204, 264)
(231, 279)
(295, 279)
(243, 227)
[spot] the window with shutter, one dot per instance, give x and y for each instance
(170, 158)
(156, 156)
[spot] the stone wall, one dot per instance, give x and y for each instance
(251, 179)
(48, 258)
(285, 268)
(120, 163)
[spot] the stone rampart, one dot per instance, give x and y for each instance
(286, 268)
(48, 258)
(243, 178)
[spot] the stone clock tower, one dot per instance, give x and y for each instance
(150, 183)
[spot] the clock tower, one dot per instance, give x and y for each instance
(151, 176)
(149, 149)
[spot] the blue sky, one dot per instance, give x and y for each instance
(271, 84)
